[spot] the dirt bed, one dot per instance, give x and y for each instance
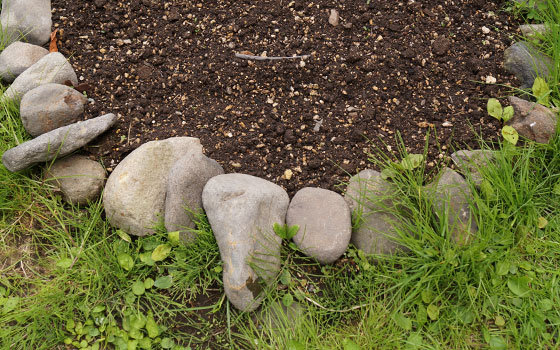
(168, 69)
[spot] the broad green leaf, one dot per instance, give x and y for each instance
(150, 243)
(556, 189)
(145, 343)
(95, 346)
(494, 108)
(541, 91)
(130, 297)
(433, 312)
(137, 321)
(388, 173)
(499, 321)
(502, 268)
(167, 343)
(132, 343)
(510, 134)
(125, 261)
(292, 231)
(10, 304)
(414, 341)
(466, 316)
(161, 252)
(152, 327)
(546, 305)
(497, 343)
(138, 288)
(294, 345)
(542, 222)
(146, 258)
(421, 315)
(173, 237)
(348, 344)
(64, 263)
(285, 277)
(148, 283)
(70, 324)
(412, 161)
(163, 282)
(98, 308)
(287, 300)
(135, 333)
(124, 236)
(508, 113)
(403, 321)
(427, 296)
(519, 286)
(279, 230)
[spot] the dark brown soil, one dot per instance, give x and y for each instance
(168, 69)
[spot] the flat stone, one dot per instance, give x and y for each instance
(325, 225)
(52, 68)
(50, 106)
(134, 196)
(532, 120)
(526, 63)
(242, 210)
(186, 181)
(56, 143)
(79, 178)
(451, 195)
(17, 57)
(370, 200)
(28, 18)
(469, 163)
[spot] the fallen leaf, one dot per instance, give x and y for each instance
(52, 45)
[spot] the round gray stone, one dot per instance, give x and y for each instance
(28, 18)
(17, 57)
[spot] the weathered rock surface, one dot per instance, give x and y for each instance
(242, 210)
(28, 18)
(50, 106)
(369, 198)
(526, 62)
(451, 196)
(134, 196)
(469, 163)
(52, 68)
(532, 120)
(79, 178)
(186, 181)
(325, 225)
(56, 143)
(533, 31)
(17, 57)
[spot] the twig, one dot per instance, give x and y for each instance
(333, 310)
(261, 58)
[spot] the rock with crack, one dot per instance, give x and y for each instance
(377, 229)
(324, 221)
(17, 57)
(79, 178)
(532, 120)
(52, 68)
(30, 19)
(56, 143)
(242, 210)
(134, 196)
(526, 63)
(469, 163)
(186, 181)
(50, 106)
(451, 197)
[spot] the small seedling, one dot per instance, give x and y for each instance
(285, 232)
(495, 109)
(410, 162)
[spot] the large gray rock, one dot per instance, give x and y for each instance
(52, 68)
(242, 210)
(56, 143)
(469, 163)
(526, 62)
(532, 120)
(79, 178)
(134, 196)
(26, 18)
(451, 195)
(184, 190)
(17, 57)
(378, 228)
(324, 220)
(50, 106)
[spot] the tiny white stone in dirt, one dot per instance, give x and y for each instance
(334, 17)
(485, 30)
(288, 174)
(447, 124)
(490, 80)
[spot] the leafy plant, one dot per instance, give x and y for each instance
(495, 109)
(285, 232)
(409, 162)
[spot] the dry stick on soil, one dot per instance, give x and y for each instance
(261, 58)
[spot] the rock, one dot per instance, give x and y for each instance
(79, 178)
(134, 196)
(334, 18)
(52, 68)
(533, 31)
(440, 46)
(30, 18)
(17, 57)
(187, 178)
(370, 200)
(56, 143)
(325, 225)
(526, 63)
(451, 195)
(532, 120)
(242, 210)
(50, 106)
(470, 162)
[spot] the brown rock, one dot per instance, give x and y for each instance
(532, 120)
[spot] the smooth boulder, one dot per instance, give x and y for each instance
(50, 106)
(324, 220)
(17, 57)
(30, 19)
(378, 230)
(52, 68)
(134, 196)
(532, 120)
(469, 163)
(186, 181)
(526, 63)
(56, 143)
(242, 210)
(79, 178)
